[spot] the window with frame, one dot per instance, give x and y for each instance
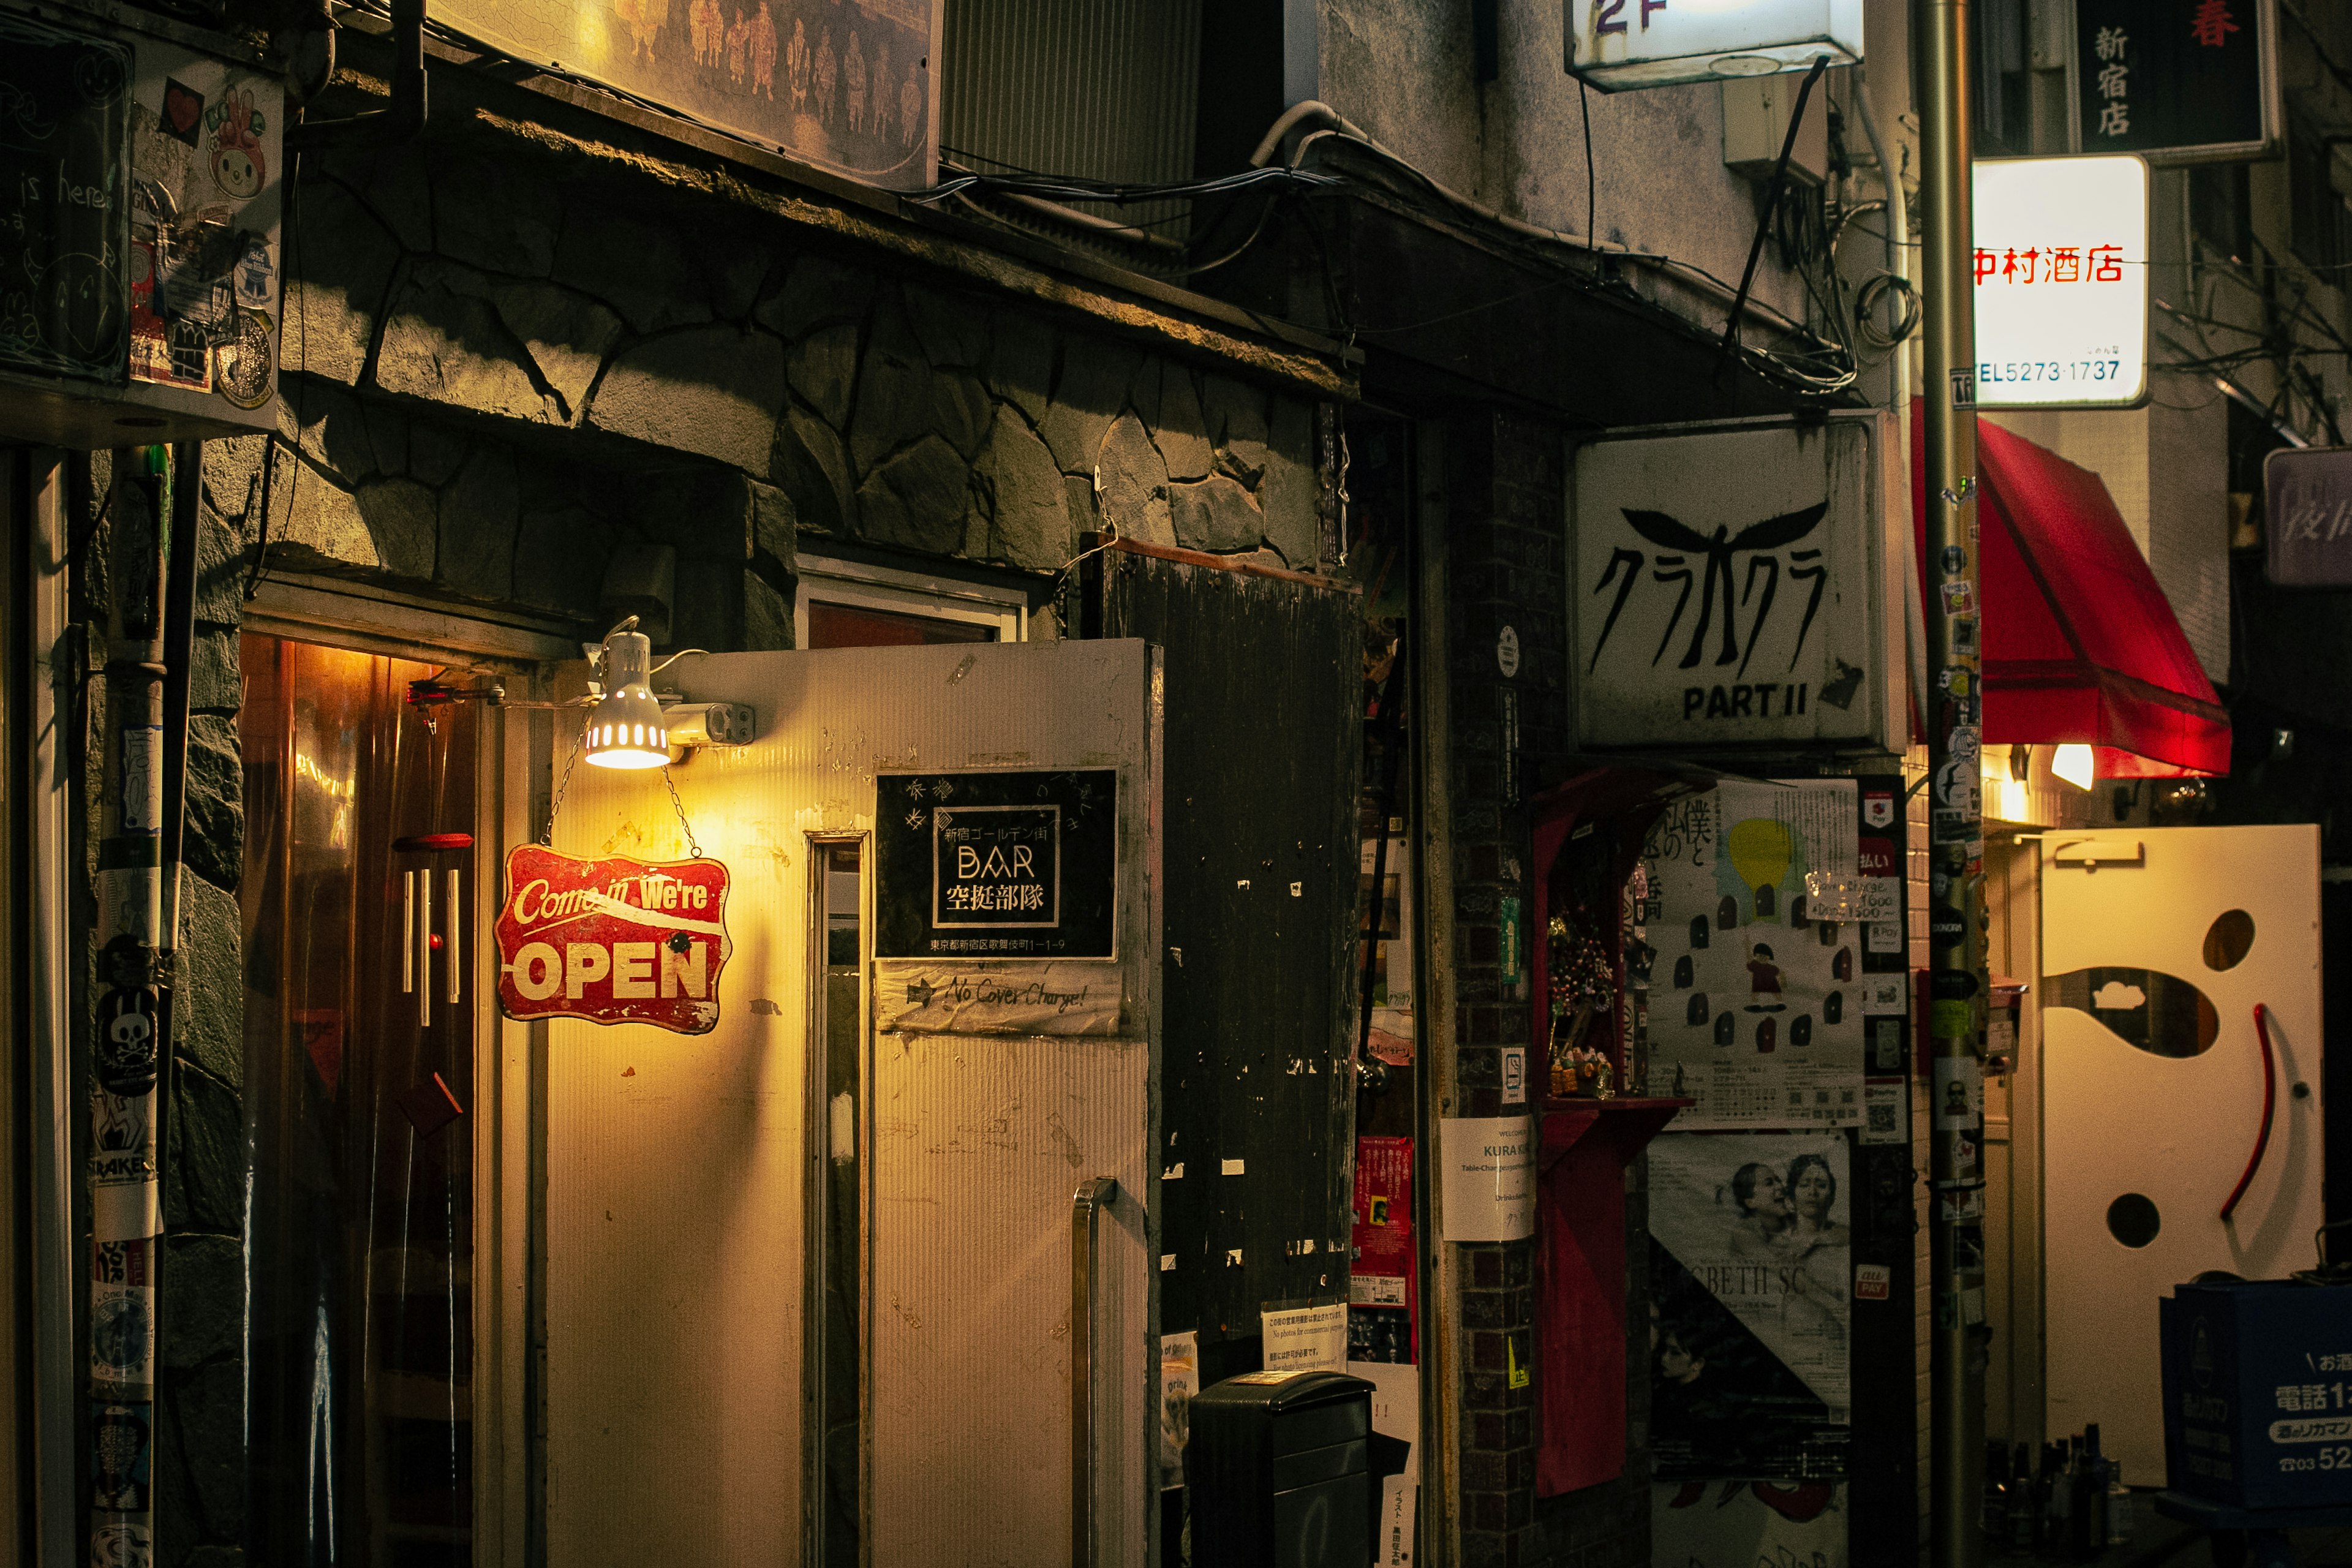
(844, 603)
(2319, 221)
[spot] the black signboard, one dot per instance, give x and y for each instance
(996, 865)
(2176, 79)
(65, 202)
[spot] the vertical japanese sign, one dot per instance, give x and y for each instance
(2062, 282)
(1757, 1005)
(2179, 81)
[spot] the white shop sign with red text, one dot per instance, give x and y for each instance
(613, 940)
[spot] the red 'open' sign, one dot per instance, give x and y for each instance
(613, 940)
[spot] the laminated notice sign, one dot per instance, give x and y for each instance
(613, 940)
(1306, 1338)
(1490, 1165)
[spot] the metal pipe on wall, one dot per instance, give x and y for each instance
(1955, 981)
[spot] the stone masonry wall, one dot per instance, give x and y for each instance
(507, 358)
(1507, 565)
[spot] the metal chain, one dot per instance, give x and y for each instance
(692, 849)
(547, 834)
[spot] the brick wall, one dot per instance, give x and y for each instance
(1506, 547)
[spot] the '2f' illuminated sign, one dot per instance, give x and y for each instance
(1615, 44)
(1607, 15)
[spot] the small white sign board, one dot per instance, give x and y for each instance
(1490, 1177)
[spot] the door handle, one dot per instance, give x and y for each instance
(1087, 1206)
(2090, 854)
(407, 931)
(2270, 1105)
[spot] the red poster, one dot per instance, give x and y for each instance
(1384, 1274)
(613, 940)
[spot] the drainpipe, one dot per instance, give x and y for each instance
(402, 118)
(127, 1051)
(179, 653)
(1884, 146)
(1956, 998)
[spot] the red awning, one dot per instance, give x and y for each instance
(2081, 647)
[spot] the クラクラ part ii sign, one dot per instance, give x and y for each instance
(1733, 585)
(613, 940)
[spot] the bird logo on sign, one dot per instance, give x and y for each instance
(1679, 543)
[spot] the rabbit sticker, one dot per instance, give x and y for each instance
(238, 168)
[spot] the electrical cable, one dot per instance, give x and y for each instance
(1771, 206)
(1592, 200)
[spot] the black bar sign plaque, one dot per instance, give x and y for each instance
(1011, 865)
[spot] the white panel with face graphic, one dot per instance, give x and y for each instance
(2152, 1075)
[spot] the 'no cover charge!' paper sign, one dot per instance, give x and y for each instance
(614, 941)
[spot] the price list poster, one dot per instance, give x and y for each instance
(1757, 1009)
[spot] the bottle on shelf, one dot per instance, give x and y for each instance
(2120, 1505)
(2023, 1507)
(2091, 1500)
(2058, 1535)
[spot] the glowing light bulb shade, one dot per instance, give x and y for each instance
(2074, 764)
(626, 728)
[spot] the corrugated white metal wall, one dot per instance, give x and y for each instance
(675, 1164)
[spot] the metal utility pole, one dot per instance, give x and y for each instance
(127, 1051)
(1956, 982)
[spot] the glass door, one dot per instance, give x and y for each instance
(358, 1072)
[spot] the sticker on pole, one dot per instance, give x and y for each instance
(613, 941)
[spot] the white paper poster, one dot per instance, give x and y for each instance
(1490, 1177)
(1958, 1106)
(1759, 1223)
(1306, 1338)
(1179, 1379)
(1396, 1413)
(1756, 1007)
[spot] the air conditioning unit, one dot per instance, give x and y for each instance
(141, 184)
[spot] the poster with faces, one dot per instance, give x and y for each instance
(1751, 1268)
(1756, 1007)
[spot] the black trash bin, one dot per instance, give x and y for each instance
(1279, 1466)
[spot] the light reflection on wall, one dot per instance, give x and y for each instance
(337, 791)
